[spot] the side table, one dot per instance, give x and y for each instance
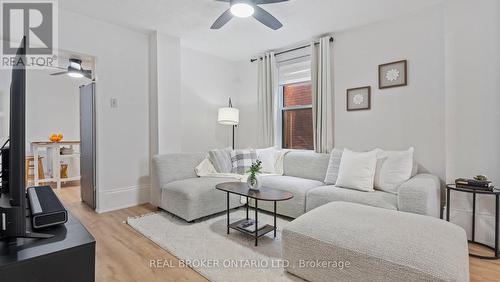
(495, 193)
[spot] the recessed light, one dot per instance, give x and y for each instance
(242, 10)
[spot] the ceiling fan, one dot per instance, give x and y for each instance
(247, 8)
(75, 70)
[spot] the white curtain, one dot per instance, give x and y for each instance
(266, 93)
(322, 92)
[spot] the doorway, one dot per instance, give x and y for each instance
(62, 108)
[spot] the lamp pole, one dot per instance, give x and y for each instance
(231, 105)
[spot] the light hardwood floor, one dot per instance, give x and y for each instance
(122, 254)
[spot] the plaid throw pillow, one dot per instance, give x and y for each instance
(242, 160)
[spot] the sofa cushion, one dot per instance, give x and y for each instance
(306, 164)
(298, 186)
(193, 198)
(322, 195)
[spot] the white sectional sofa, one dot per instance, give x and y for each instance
(177, 189)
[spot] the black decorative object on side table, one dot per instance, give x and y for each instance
(493, 192)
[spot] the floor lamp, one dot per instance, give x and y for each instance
(229, 116)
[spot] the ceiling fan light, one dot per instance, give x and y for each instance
(242, 10)
(75, 74)
(75, 65)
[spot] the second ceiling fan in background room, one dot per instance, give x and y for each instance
(75, 70)
(247, 8)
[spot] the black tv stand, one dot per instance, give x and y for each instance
(37, 235)
(68, 255)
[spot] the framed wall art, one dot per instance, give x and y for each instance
(393, 74)
(359, 98)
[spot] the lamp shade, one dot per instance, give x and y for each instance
(229, 116)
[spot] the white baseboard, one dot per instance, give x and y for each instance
(115, 199)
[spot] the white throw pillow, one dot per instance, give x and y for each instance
(280, 159)
(268, 158)
(393, 168)
(205, 168)
(357, 170)
(414, 170)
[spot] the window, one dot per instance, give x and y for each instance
(296, 115)
(295, 119)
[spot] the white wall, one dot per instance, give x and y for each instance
(246, 101)
(122, 71)
(207, 83)
(166, 93)
(399, 117)
(188, 88)
(472, 64)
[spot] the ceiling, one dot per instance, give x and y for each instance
(241, 39)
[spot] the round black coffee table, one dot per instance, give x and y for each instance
(263, 194)
(495, 193)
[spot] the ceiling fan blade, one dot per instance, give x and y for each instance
(222, 20)
(267, 19)
(263, 2)
(59, 73)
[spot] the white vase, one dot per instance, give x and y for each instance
(256, 185)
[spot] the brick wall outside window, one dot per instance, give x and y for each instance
(297, 123)
(297, 94)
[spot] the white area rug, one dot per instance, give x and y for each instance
(214, 254)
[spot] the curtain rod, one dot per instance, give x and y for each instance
(291, 50)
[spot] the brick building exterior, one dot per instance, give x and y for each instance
(297, 123)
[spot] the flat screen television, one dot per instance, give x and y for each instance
(14, 213)
(13, 197)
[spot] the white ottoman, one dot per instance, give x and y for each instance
(350, 242)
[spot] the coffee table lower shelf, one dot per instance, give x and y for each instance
(260, 232)
(264, 194)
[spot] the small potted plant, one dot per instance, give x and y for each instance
(253, 181)
(480, 178)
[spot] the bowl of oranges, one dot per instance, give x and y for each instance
(56, 137)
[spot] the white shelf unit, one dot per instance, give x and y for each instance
(53, 149)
